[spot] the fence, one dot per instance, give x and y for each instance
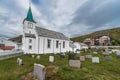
(10, 54)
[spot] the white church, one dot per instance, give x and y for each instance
(37, 40)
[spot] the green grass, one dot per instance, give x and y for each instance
(105, 70)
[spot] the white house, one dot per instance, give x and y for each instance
(79, 46)
(38, 40)
(6, 44)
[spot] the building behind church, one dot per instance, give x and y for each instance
(38, 40)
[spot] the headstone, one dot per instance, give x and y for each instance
(108, 57)
(82, 58)
(71, 56)
(51, 58)
(118, 56)
(95, 52)
(39, 71)
(75, 63)
(33, 56)
(88, 56)
(105, 53)
(18, 60)
(117, 52)
(78, 52)
(78, 55)
(38, 57)
(95, 60)
(62, 56)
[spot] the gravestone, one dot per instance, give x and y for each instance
(78, 55)
(82, 58)
(71, 56)
(117, 52)
(88, 56)
(75, 63)
(62, 56)
(95, 60)
(39, 71)
(95, 52)
(33, 56)
(105, 53)
(78, 52)
(38, 57)
(108, 57)
(18, 60)
(51, 58)
(118, 56)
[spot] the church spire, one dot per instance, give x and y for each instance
(29, 15)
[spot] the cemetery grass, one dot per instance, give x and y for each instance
(105, 70)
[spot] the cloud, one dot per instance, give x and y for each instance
(73, 17)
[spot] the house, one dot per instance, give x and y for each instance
(104, 40)
(38, 40)
(6, 44)
(89, 41)
(79, 46)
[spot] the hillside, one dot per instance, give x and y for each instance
(17, 39)
(114, 33)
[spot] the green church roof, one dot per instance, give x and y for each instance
(30, 16)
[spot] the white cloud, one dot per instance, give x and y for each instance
(58, 15)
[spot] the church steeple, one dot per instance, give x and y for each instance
(29, 15)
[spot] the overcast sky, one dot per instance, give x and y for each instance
(71, 17)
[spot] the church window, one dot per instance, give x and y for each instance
(57, 44)
(30, 40)
(63, 44)
(30, 25)
(49, 43)
(29, 32)
(30, 47)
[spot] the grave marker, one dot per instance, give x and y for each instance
(82, 58)
(51, 58)
(71, 56)
(39, 71)
(108, 57)
(75, 63)
(88, 56)
(95, 60)
(33, 56)
(38, 57)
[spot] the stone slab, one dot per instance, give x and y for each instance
(95, 60)
(108, 57)
(39, 71)
(51, 58)
(75, 63)
(82, 58)
(88, 56)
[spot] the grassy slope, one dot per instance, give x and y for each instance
(114, 33)
(106, 70)
(17, 39)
